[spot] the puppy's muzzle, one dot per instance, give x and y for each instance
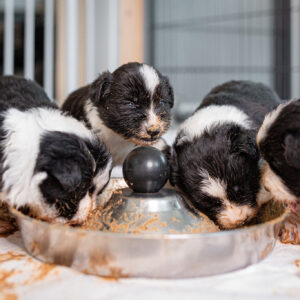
(153, 132)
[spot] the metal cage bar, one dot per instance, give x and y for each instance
(282, 24)
(8, 37)
(49, 47)
(72, 45)
(29, 39)
(90, 40)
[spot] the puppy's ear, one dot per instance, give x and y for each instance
(245, 143)
(292, 149)
(100, 87)
(249, 147)
(68, 174)
(170, 89)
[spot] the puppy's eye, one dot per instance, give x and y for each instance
(133, 102)
(236, 188)
(163, 102)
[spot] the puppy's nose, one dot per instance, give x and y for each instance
(153, 133)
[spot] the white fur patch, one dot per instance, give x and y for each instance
(152, 117)
(213, 186)
(270, 118)
(21, 148)
(278, 190)
(150, 77)
(210, 116)
(118, 146)
(263, 196)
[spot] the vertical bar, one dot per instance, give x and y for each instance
(149, 31)
(82, 43)
(9, 37)
(90, 40)
(29, 39)
(72, 45)
(131, 21)
(60, 71)
(113, 35)
(49, 47)
(295, 49)
(283, 48)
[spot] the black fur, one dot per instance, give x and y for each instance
(70, 162)
(254, 99)
(227, 152)
(22, 94)
(281, 147)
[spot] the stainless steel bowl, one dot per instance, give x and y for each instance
(153, 256)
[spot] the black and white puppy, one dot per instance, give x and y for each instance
(129, 107)
(215, 158)
(50, 163)
(278, 140)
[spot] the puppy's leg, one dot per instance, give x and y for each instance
(7, 223)
(162, 145)
(290, 230)
(171, 157)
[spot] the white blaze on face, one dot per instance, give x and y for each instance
(153, 120)
(232, 214)
(150, 77)
(151, 80)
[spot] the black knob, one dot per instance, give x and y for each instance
(146, 170)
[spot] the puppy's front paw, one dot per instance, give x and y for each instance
(290, 230)
(7, 223)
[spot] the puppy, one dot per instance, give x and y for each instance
(50, 164)
(129, 107)
(278, 140)
(215, 159)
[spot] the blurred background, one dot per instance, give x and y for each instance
(64, 44)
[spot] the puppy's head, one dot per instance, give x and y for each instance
(279, 143)
(135, 101)
(72, 171)
(219, 172)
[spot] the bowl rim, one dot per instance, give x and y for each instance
(171, 236)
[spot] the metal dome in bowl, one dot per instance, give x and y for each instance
(147, 208)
